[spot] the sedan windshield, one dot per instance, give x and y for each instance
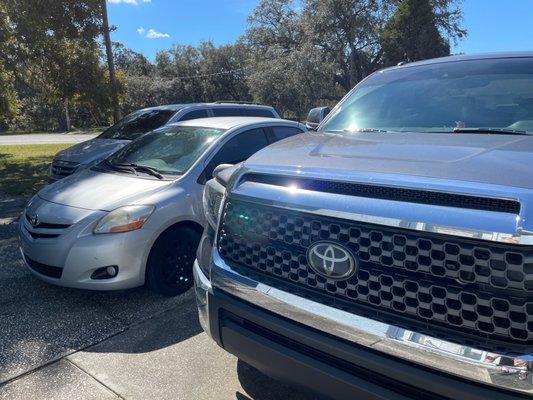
(471, 96)
(170, 150)
(137, 124)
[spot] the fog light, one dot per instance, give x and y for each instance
(105, 272)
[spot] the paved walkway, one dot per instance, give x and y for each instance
(43, 138)
(58, 343)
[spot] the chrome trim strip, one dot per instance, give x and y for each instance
(476, 365)
(455, 222)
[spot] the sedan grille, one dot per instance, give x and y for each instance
(62, 168)
(478, 286)
(43, 230)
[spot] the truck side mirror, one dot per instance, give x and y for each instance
(220, 168)
(315, 117)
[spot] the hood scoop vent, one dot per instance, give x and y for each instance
(390, 193)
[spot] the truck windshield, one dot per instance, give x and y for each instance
(469, 96)
(169, 150)
(137, 124)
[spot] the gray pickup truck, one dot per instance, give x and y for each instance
(389, 255)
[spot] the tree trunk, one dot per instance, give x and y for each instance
(68, 127)
(110, 64)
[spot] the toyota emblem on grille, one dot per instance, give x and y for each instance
(34, 220)
(331, 260)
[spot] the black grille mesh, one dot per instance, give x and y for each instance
(392, 193)
(472, 284)
(43, 269)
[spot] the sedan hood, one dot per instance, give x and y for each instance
(492, 159)
(91, 151)
(95, 190)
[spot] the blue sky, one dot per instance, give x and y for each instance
(151, 25)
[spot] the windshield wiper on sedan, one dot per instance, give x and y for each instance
(493, 131)
(142, 168)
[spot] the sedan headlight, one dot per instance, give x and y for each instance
(213, 198)
(124, 219)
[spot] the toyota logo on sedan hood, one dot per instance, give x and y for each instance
(331, 260)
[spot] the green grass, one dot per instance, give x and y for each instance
(82, 131)
(23, 167)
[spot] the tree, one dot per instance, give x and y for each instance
(285, 69)
(412, 34)
(223, 72)
(348, 32)
(110, 64)
(49, 44)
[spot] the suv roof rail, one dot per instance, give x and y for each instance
(251, 103)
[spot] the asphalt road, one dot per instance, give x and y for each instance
(58, 343)
(43, 138)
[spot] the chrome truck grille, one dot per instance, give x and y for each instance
(456, 286)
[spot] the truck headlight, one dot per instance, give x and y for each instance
(124, 219)
(213, 199)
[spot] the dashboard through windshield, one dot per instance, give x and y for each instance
(461, 96)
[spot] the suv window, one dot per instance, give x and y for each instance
(194, 115)
(226, 112)
(237, 149)
(257, 112)
(282, 132)
(137, 124)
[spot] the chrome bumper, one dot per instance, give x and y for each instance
(478, 366)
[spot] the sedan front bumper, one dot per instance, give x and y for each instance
(341, 354)
(77, 253)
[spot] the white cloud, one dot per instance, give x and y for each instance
(153, 34)
(134, 2)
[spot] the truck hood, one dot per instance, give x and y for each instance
(492, 159)
(91, 151)
(93, 190)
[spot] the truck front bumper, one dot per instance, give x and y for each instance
(342, 355)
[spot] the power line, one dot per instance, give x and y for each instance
(231, 71)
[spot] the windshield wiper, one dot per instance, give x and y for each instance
(142, 168)
(494, 131)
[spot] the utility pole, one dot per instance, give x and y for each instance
(110, 64)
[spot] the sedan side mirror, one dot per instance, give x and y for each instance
(315, 117)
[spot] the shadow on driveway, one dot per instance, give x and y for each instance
(41, 323)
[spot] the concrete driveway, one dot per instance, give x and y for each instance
(58, 343)
(44, 138)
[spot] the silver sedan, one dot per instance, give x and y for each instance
(138, 216)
